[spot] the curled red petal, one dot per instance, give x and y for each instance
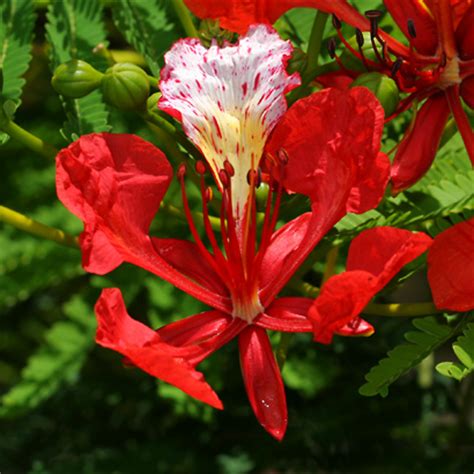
(115, 184)
(341, 300)
(426, 40)
(375, 257)
(288, 314)
(263, 381)
(418, 148)
(143, 347)
(451, 267)
(355, 328)
(383, 251)
(337, 157)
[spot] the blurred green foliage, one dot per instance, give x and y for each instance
(70, 407)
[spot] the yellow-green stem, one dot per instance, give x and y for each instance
(331, 260)
(314, 45)
(397, 310)
(22, 222)
(29, 140)
(185, 18)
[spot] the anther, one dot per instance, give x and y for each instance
(181, 171)
(443, 61)
(283, 156)
(254, 177)
(359, 37)
(332, 47)
(336, 22)
(373, 14)
(229, 168)
(411, 28)
(224, 178)
(200, 167)
(396, 66)
(208, 194)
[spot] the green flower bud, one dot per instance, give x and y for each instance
(125, 86)
(383, 87)
(76, 79)
(152, 103)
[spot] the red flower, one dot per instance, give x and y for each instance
(438, 65)
(375, 257)
(451, 268)
(115, 184)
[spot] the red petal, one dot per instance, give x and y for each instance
(418, 148)
(336, 162)
(200, 335)
(263, 381)
(426, 40)
(467, 90)
(341, 300)
(287, 315)
(238, 15)
(451, 267)
(375, 257)
(465, 35)
(109, 181)
(115, 184)
(355, 328)
(384, 251)
(338, 155)
(186, 258)
(144, 348)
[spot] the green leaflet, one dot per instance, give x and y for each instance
(464, 350)
(147, 26)
(16, 33)
(430, 335)
(74, 29)
(57, 361)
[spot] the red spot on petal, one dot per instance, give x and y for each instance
(244, 88)
(256, 82)
(218, 129)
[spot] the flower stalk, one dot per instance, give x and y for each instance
(185, 18)
(26, 224)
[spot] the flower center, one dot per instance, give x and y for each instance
(450, 74)
(247, 308)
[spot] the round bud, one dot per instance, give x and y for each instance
(76, 79)
(125, 86)
(383, 87)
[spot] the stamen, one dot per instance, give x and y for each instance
(200, 167)
(181, 173)
(396, 66)
(336, 22)
(373, 16)
(332, 47)
(225, 179)
(283, 156)
(229, 168)
(359, 38)
(411, 28)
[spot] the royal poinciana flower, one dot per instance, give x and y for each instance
(374, 258)
(451, 268)
(437, 66)
(229, 100)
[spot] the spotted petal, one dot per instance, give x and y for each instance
(229, 99)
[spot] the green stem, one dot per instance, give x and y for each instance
(314, 45)
(185, 18)
(281, 352)
(20, 221)
(176, 212)
(396, 310)
(28, 139)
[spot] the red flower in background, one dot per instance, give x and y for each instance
(451, 268)
(437, 66)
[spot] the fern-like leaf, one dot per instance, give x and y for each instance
(147, 27)
(74, 29)
(56, 363)
(16, 34)
(430, 335)
(464, 350)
